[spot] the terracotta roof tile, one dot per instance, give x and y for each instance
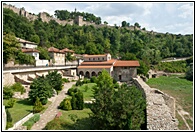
(109, 62)
(52, 49)
(29, 50)
(67, 50)
(94, 67)
(126, 63)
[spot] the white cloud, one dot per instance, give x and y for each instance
(187, 10)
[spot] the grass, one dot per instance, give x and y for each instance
(71, 120)
(21, 109)
(179, 88)
(87, 91)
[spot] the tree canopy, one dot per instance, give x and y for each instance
(117, 109)
(149, 47)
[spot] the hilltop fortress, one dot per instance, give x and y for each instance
(78, 19)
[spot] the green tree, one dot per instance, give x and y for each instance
(10, 47)
(55, 80)
(103, 95)
(38, 107)
(9, 123)
(121, 109)
(124, 23)
(35, 38)
(189, 72)
(40, 88)
(129, 109)
(137, 25)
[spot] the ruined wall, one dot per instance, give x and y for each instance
(8, 79)
(160, 108)
(78, 20)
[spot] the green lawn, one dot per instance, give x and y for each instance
(179, 88)
(21, 109)
(87, 91)
(71, 120)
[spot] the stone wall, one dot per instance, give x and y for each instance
(160, 108)
(8, 79)
(126, 74)
(4, 118)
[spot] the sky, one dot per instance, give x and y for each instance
(163, 17)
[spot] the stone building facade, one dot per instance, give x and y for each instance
(119, 70)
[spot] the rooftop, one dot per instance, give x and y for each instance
(94, 67)
(52, 49)
(25, 41)
(67, 50)
(126, 63)
(29, 50)
(109, 62)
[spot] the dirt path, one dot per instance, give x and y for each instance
(52, 110)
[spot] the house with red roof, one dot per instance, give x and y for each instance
(118, 69)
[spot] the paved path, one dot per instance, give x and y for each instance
(52, 110)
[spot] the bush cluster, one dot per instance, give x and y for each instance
(173, 67)
(65, 80)
(76, 102)
(10, 103)
(31, 121)
(66, 104)
(8, 91)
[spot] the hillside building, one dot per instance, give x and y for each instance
(119, 70)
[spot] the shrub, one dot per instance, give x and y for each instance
(35, 118)
(11, 103)
(38, 107)
(9, 119)
(31, 121)
(44, 101)
(85, 81)
(65, 80)
(66, 104)
(86, 88)
(73, 102)
(29, 124)
(79, 83)
(7, 92)
(74, 90)
(79, 100)
(93, 79)
(17, 87)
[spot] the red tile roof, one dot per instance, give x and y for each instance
(126, 63)
(67, 50)
(29, 50)
(52, 49)
(94, 67)
(109, 62)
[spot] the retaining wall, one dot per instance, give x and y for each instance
(160, 108)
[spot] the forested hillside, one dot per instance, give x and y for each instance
(119, 41)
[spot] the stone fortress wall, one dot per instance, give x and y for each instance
(78, 20)
(160, 110)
